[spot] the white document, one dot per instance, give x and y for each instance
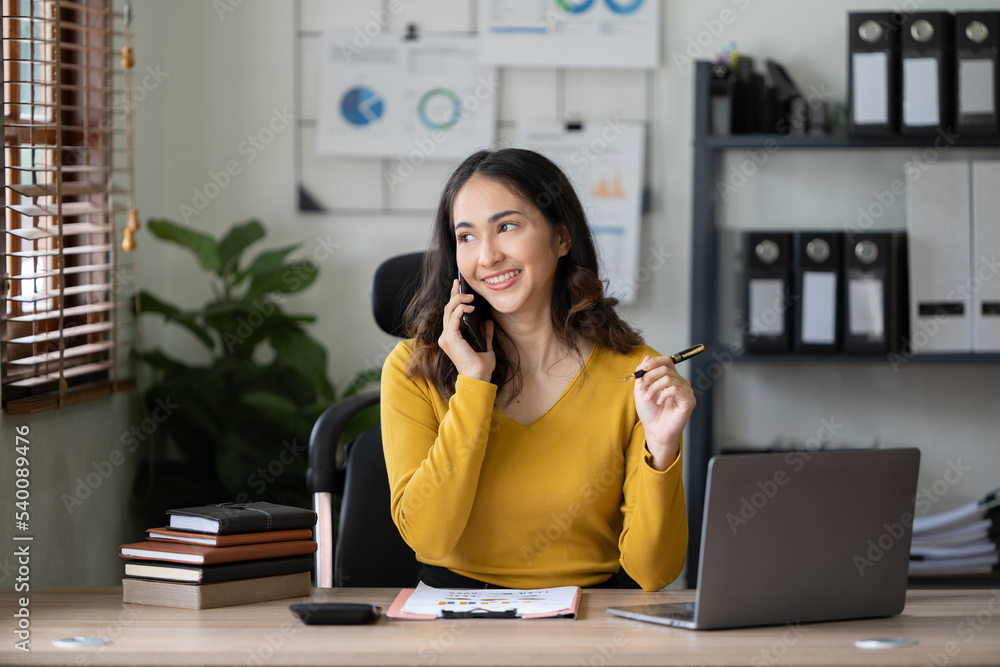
(428, 600)
(570, 33)
(766, 311)
(819, 307)
(939, 231)
(976, 86)
(866, 314)
(603, 161)
(415, 100)
(870, 88)
(920, 92)
(985, 267)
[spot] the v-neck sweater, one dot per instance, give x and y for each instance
(561, 501)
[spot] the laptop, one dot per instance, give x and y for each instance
(800, 537)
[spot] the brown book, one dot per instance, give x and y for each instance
(221, 594)
(178, 552)
(168, 535)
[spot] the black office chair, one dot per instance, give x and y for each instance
(368, 550)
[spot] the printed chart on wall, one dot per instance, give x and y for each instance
(391, 97)
(603, 160)
(570, 33)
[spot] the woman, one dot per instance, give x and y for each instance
(531, 464)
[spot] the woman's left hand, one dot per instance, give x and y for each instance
(664, 401)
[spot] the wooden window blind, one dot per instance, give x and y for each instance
(68, 330)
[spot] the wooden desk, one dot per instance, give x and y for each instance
(951, 627)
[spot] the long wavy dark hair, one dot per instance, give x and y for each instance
(580, 309)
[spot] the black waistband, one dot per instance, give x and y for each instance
(442, 577)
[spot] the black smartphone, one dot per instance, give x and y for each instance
(335, 613)
(470, 328)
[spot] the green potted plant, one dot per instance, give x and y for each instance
(237, 427)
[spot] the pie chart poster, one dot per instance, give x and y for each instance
(384, 96)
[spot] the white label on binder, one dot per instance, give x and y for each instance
(975, 86)
(767, 307)
(920, 92)
(819, 307)
(865, 315)
(871, 88)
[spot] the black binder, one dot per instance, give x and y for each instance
(875, 297)
(977, 43)
(818, 290)
(928, 82)
(767, 295)
(873, 72)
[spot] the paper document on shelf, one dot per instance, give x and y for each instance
(921, 91)
(871, 88)
(867, 307)
(428, 600)
(819, 307)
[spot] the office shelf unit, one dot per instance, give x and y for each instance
(704, 279)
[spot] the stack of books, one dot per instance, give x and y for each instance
(222, 555)
(958, 543)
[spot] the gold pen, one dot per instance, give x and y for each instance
(676, 358)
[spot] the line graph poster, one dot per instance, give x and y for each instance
(570, 33)
(604, 162)
(389, 97)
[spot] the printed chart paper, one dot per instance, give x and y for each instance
(428, 600)
(422, 99)
(570, 33)
(604, 162)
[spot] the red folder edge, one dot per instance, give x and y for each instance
(396, 612)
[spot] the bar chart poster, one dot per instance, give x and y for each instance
(384, 96)
(596, 34)
(603, 160)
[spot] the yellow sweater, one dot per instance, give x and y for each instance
(558, 502)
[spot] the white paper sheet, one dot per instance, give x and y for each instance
(414, 100)
(604, 162)
(920, 92)
(976, 86)
(866, 311)
(428, 600)
(570, 33)
(766, 310)
(819, 307)
(870, 88)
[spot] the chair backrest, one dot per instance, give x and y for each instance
(395, 282)
(370, 552)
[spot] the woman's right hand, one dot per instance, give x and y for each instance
(468, 362)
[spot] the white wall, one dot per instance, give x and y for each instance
(236, 67)
(224, 74)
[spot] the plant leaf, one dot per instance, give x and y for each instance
(189, 322)
(236, 241)
(271, 403)
(158, 359)
(265, 261)
(295, 348)
(286, 278)
(202, 245)
(150, 303)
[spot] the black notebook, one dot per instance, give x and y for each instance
(205, 574)
(230, 518)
